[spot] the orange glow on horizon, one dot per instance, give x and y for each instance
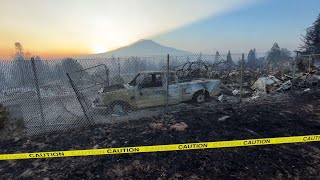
(8, 54)
(74, 28)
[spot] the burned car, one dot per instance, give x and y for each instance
(149, 89)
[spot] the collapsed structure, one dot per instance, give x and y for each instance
(301, 73)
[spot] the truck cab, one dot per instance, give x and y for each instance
(149, 89)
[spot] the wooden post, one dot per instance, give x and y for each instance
(241, 77)
(282, 69)
(294, 69)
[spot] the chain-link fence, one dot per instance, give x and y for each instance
(73, 92)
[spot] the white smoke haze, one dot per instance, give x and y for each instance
(99, 25)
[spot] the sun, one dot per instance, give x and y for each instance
(99, 49)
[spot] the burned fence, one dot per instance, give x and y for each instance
(68, 93)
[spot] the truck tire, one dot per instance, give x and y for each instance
(199, 97)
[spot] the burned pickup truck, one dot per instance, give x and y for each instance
(149, 89)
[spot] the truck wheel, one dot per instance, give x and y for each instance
(119, 108)
(199, 97)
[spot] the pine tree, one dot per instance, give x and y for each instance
(274, 55)
(73, 67)
(285, 54)
(229, 57)
(22, 74)
(217, 57)
(19, 55)
(252, 58)
(312, 38)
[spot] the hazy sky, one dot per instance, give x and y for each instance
(256, 25)
(76, 27)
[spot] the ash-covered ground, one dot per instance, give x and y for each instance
(289, 114)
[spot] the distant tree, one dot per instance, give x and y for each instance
(72, 67)
(277, 55)
(274, 55)
(21, 72)
(200, 57)
(252, 58)
(229, 57)
(217, 57)
(19, 55)
(285, 57)
(312, 38)
(261, 62)
(285, 54)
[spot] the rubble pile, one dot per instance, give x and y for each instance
(255, 80)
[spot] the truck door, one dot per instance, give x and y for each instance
(174, 89)
(151, 91)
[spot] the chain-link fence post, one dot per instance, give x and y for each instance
(36, 81)
(167, 95)
(108, 74)
(309, 63)
(119, 67)
(87, 116)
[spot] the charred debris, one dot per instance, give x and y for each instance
(301, 73)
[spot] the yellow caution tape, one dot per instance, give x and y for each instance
(159, 148)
